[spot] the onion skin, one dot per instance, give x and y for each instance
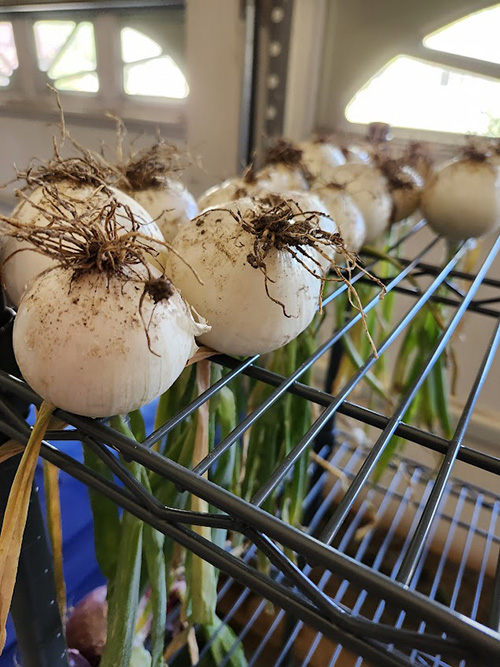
(233, 299)
(86, 628)
(406, 195)
(369, 191)
(320, 155)
(341, 207)
(76, 659)
(229, 190)
(462, 199)
(23, 267)
(279, 177)
(170, 206)
(80, 342)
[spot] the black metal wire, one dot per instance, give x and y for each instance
(369, 417)
(279, 531)
(408, 566)
(371, 460)
(297, 451)
(291, 588)
(234, 436)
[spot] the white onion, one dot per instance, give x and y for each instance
(80, 341)
(462, 199)
(282, 178)
(368, 189)
(341, 208)
(355, 154)
(229, 190)
(320, 155)
(284, 169)
(233, 299)
(170, 204)
(22, 267)
(405, 186)
(308, 202)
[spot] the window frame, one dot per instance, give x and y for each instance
(408, 35)
(29, 95)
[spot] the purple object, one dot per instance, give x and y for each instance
(76, 659)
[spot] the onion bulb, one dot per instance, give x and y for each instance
(149, 177)
(259, 262)
(19, 268)
(462, 198)
(284, 168)
(319, 155)
(341, 208)
(86, 625)
(369, 191)
(101, 333)
(405, 186)
(418, 156)
(231, 189)
(308, 203)
(354, 154)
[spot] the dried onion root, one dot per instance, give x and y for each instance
(264, 266)
(102, 332)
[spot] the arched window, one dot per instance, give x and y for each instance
(129, 63)
(412, 92)
(147, 70)
(8, 54)
(66, 52)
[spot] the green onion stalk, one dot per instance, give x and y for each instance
(273, 436)
(139, 561)
(430, 407)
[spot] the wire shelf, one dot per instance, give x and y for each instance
(385, 594)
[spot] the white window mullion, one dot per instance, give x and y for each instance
(109, 61)
(30, 81)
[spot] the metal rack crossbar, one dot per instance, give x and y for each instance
(423, 630)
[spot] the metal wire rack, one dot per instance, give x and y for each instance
(374, 594)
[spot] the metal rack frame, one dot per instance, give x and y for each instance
(441, 631)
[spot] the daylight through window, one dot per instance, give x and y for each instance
(414, 93)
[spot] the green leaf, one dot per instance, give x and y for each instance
(156, 571)
(141, 658)
(137, 425)
(123, 598)
(222, 644)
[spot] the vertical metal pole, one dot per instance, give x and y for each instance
(248, 91)
(39, 630)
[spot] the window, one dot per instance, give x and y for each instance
(147, 71)
(411, 92)
(8, 53)
(416, 94)
(475, 36)
(66, 52)
(130, 62)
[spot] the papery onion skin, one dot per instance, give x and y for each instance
(80, 341)
(23, 267)
(278, 177)
(233, 299)
(341, 208)
(462, 199)
(86, 626)
(320, 155)
(368, 188)
(171, 206)
(229, 190)
(407, 194)
(76, 659)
